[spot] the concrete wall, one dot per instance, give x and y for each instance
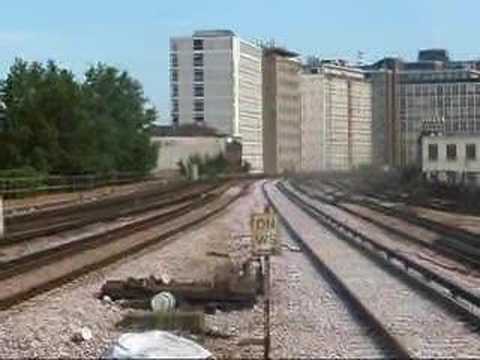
(269, 115)
(282, 114)
(312, 126)
(218, 82)
(174, 149)
(250, 106)
(336, 119)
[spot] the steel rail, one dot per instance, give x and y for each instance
(106, 213)
(44, 285)
(362, 313)
(464, 252)
(452, 291)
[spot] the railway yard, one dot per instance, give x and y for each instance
(356, 274)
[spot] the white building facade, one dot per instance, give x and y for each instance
(216, 81)
(452, 159)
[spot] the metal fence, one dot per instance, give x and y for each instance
(23, 186)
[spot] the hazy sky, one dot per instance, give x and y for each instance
(133, 35)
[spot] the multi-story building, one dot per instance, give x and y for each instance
(450, 96)
(336, 118)
(281, 111)
(216, 80)
(408, 94)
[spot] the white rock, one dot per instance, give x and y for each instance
(165, 279)
(83, 334)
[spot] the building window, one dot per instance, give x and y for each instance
(197, 59)
(451, 152)
(174, 90)
(433, 152)
(471, 151)
(199, 118)
(173, 60)
(198, 105)
(174, 106)
(174, 75)
(440, 90)
(197, 44)
(198, 91)
(173, 45)
(175, 119)
(198, 75)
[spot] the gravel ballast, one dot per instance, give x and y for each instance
(309, 320)
(423, 327)
(44, 325)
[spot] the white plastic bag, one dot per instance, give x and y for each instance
(155, 345)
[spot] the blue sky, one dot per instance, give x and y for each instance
(133, 35)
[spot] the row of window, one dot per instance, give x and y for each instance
(198, 75)
(197, 60)
(198, 106)
(440, 102)
(197, 118)
(454, 89)
(470, 152)
(198, 90)
(197, 45)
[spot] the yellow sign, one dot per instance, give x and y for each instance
(264, 233)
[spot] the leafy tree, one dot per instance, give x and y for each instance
(117, 104)
(56, 124)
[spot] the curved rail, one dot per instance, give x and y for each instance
(52, 222)
(427, 277)
(399, 351)
(457, 249)
(35, 262)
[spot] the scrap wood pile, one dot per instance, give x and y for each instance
(227, 287)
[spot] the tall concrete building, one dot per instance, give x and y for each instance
(450, 96)
(408, 94)
(216, 80)
(281, 111)
(386, 146)
(336, 118)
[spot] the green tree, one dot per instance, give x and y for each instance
(56, 124)
(122, 121)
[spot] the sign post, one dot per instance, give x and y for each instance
(264, 233)
(2, 226)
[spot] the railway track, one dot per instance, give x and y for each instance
(455, 242)
(435, 203)
(35, 204)
(382, 341)
(402, 301)
(29, 275)
(427, 275)
(27, 227)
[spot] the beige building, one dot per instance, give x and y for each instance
(281, 111)
(336, 118)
